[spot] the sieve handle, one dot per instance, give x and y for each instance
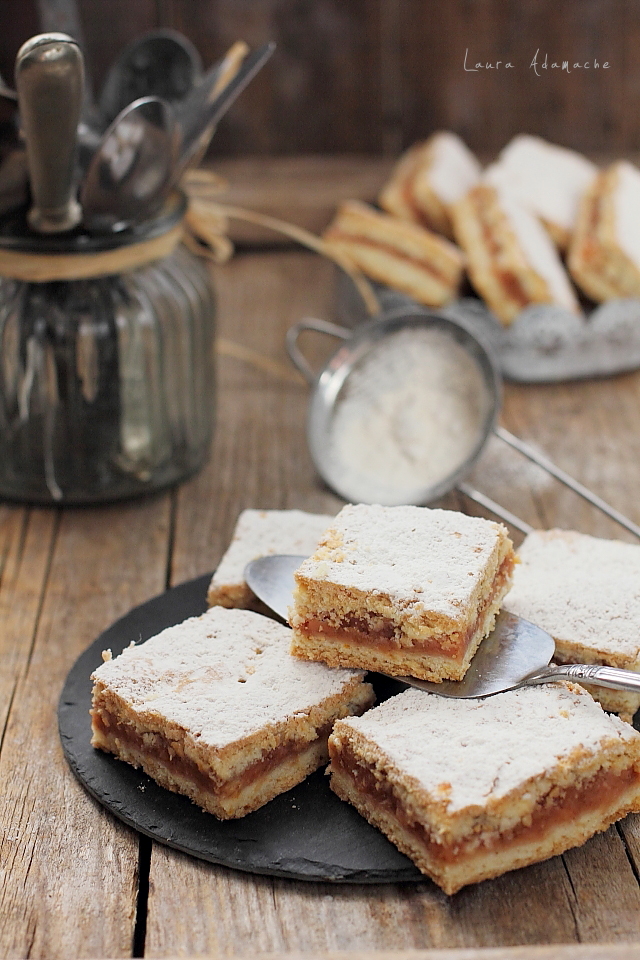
(317, 326)
(568, 480)
(495, 508)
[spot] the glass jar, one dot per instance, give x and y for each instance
(106, 383)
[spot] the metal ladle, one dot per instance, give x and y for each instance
(329, 388)
(516, 653)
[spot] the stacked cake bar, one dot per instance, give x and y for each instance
(548, 180)
(217, 709)
(472, 788)
(401, 590)
(512, 260)
(604, 257)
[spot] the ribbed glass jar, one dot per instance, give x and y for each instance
(106, 384)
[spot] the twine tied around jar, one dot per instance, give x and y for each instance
(202, 229)
(206, 230)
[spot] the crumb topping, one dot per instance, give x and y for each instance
(468, 753)
(222, 676)
(431, 560)
(580, 589)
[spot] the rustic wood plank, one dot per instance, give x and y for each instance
(302, 190)
(578, 108)
(68, 868)
(26, 541)
(321, 89)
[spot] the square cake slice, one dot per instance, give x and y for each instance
(512, 260)
(585, 592)
(604, 256)
(216, 708)
(258, 533)
(402, 590)
(428, 179)
(547, 179)
(401, 254)
(470, 789)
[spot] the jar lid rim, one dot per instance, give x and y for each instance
(16, 235)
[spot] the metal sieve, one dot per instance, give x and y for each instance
(329, 388)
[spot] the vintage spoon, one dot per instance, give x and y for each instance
(515, 654)
(129, 174)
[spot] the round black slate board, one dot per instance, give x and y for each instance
(305, 834)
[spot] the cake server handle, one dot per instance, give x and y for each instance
(298, 359)
(600, 676)
(567, 479)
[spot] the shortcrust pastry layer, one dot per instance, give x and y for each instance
(604, 257)
(512, 261)
(399, 253)
(387, 647)
(217, 709)
(572, 818)
(495, 785)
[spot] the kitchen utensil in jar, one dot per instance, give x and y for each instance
(161, 63)
(376, 435)
(200, 115)
(49, 82)
(516, 653)
(129, 174)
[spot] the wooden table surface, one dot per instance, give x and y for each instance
(74, 881)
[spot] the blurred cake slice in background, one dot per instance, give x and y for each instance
(549, 180)
(512, 261)
(258, 533)
(428, 179)
(604, 257)
(402, 255)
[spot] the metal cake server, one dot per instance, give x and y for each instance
(515, 654)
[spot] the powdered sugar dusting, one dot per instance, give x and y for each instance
(472, 752)
(548, 179)
(426, 559)
(262, 532)
(222, 676)
(538, 248)
(580, 589)
(410, 415)
(453, 170)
